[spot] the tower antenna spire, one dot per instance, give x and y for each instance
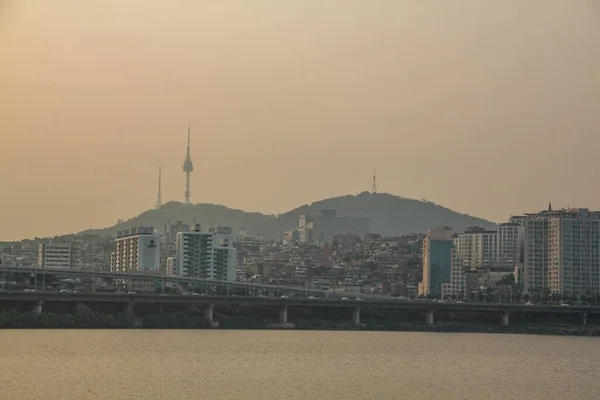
(374, 186)
(189, 137)
(159, 195)
(188, 166)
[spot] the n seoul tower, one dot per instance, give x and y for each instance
(188, 167)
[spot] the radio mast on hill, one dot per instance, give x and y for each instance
(374, 186)
(159, 195)
(188, 168)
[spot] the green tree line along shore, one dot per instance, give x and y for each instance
(85, 318)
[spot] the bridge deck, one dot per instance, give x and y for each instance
(153, 276)
(143, 298)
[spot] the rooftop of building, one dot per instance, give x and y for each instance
(140, 230)
(477, 230)
(570, 212)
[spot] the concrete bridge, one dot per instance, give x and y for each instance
(350, 307)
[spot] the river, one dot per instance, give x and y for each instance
(220, 364)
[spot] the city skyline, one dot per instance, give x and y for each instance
(446, 103)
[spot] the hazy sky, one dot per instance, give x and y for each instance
(487, 107)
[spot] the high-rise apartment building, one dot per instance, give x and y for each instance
(59, 255)
(562, 252)
(478, 248)
(510, 244)
(207, 255)
(437, 260)
(136, 249)
(456, 289)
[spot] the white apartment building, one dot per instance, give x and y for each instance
(478, 248)
(59, 255)
(562, 252)
(207, 255)
(510, 244)
(517, 219)
(171, 266)
(136, 249)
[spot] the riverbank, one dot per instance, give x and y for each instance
(85, 318)
(564, 330)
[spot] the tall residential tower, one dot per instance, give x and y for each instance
(437, 261)
(206, 255)
(562, 252)
(188, 168)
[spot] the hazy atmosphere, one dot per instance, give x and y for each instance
(487, 107)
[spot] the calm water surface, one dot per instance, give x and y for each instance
(145, 364)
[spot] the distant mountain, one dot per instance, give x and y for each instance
(204, 214)
(388, 215)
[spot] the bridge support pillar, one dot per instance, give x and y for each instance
(37, 307)
(161, 308)
(356, 317)
(129, 309)
(584, 319)
(505, 319)
(283, 314)
(208, 312)
(429, 317)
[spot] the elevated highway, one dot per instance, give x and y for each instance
(37, 298)
(147, 276)
(151, 298)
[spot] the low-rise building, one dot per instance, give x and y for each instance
(171, 266)
(59, 255)
(321, 228)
